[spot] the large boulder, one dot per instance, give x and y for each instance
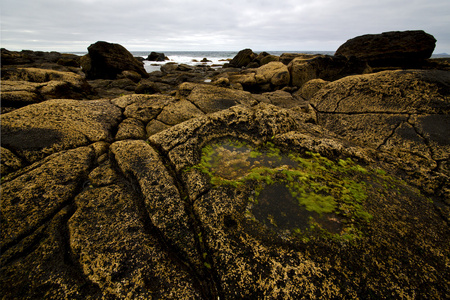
(395, 48)
(243, 58)
(324, 67)
(106, 61)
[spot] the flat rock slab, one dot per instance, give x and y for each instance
(37, 130)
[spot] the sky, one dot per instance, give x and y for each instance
(225, 25)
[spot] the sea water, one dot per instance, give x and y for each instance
(215, 58)
(193, 58)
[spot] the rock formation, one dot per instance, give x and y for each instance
(107, 60)
(324, 67)
(243, 58)
(24, 86)
(395, 48)
(246, 187)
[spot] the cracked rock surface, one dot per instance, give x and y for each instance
(401, 112)
(126, 198)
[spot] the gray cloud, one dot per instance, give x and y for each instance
(73, 25)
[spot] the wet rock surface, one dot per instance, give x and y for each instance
(338, 189)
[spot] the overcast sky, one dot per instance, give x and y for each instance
(72, 25)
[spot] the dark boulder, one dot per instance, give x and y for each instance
(243, 58)
(147, 88)
(106, 61)
(395, 48)
(325, 67)
(156, 56)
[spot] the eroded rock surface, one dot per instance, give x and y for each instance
(339, 190)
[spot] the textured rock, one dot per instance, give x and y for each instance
(41, 192)
(178, 112)
(286, 58)
(241, 250)
(233, 195)
(24, 86)
(131, 128)
(268, 58)
(328, 68)
(243, 58)
(107, 60)
(28, 57)
(143, 107)
(147, 88)
(37, 130)
(402, 112)
(282, 99)
(394, 48)
(310, 88)
(275, 73)
(210, 98)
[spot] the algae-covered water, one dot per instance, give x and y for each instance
(295, 194)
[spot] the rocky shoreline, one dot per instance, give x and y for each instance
(274, 177)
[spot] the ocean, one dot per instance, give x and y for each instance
(216, 58)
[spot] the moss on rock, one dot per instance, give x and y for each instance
(317, 188)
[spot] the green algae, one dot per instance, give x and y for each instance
(299, 194)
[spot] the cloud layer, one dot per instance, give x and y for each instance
(72, 25)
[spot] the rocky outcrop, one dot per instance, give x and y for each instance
(395, 48)
(337, 189)
(201, 209)
(107, 60)
(325, 67)
(38, 58)
(24, 86)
